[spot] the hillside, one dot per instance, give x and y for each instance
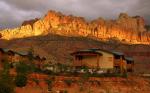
(57, 48)
(126, 29)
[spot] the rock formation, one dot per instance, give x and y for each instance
(125, 28)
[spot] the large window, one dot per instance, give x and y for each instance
(79, 57)
(129, 62)
(117, 57)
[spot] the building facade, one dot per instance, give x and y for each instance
(102, 59)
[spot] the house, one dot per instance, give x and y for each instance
(20, 57)
(101, 59)
(39, 61)
(12, 57)
(7, 55)
(93, 58)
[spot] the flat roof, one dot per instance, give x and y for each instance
(117, 53)
(22, 53)
(86, 51)
(5, 50)
(129, 59)
(96, 51)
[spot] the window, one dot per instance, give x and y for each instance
(117, 57)
(79, 57)
(129, 62)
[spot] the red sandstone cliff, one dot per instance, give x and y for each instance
(125, 28)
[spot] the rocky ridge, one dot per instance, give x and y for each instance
(125, 29)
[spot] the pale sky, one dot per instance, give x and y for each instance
(14, 12)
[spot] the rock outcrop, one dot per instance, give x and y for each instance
(125, 28)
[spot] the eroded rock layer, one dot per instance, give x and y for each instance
(125, 28)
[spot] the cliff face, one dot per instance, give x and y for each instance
(125, 28)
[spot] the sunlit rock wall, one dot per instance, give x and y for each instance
(125, 28)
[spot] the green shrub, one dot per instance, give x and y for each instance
(124, 75)
(23, 68)
(85, 76)
(6, 81)
(21, 80)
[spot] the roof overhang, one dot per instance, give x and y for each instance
(129, 59)
(86, 53)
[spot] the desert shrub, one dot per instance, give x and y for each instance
(68, 82)
(35, 80)
(6, 88)
(49, 83)
(21, 80)
(36, 69)
(49, 72)
(65, 91)
(81, 88)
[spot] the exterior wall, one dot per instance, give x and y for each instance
(124, 65)
(117, 62)
(16, 58)
(10, 58)
(5, 57)
(24, 59)
(130, 67)
(106, 61)
(37, 63)
(90, 61)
